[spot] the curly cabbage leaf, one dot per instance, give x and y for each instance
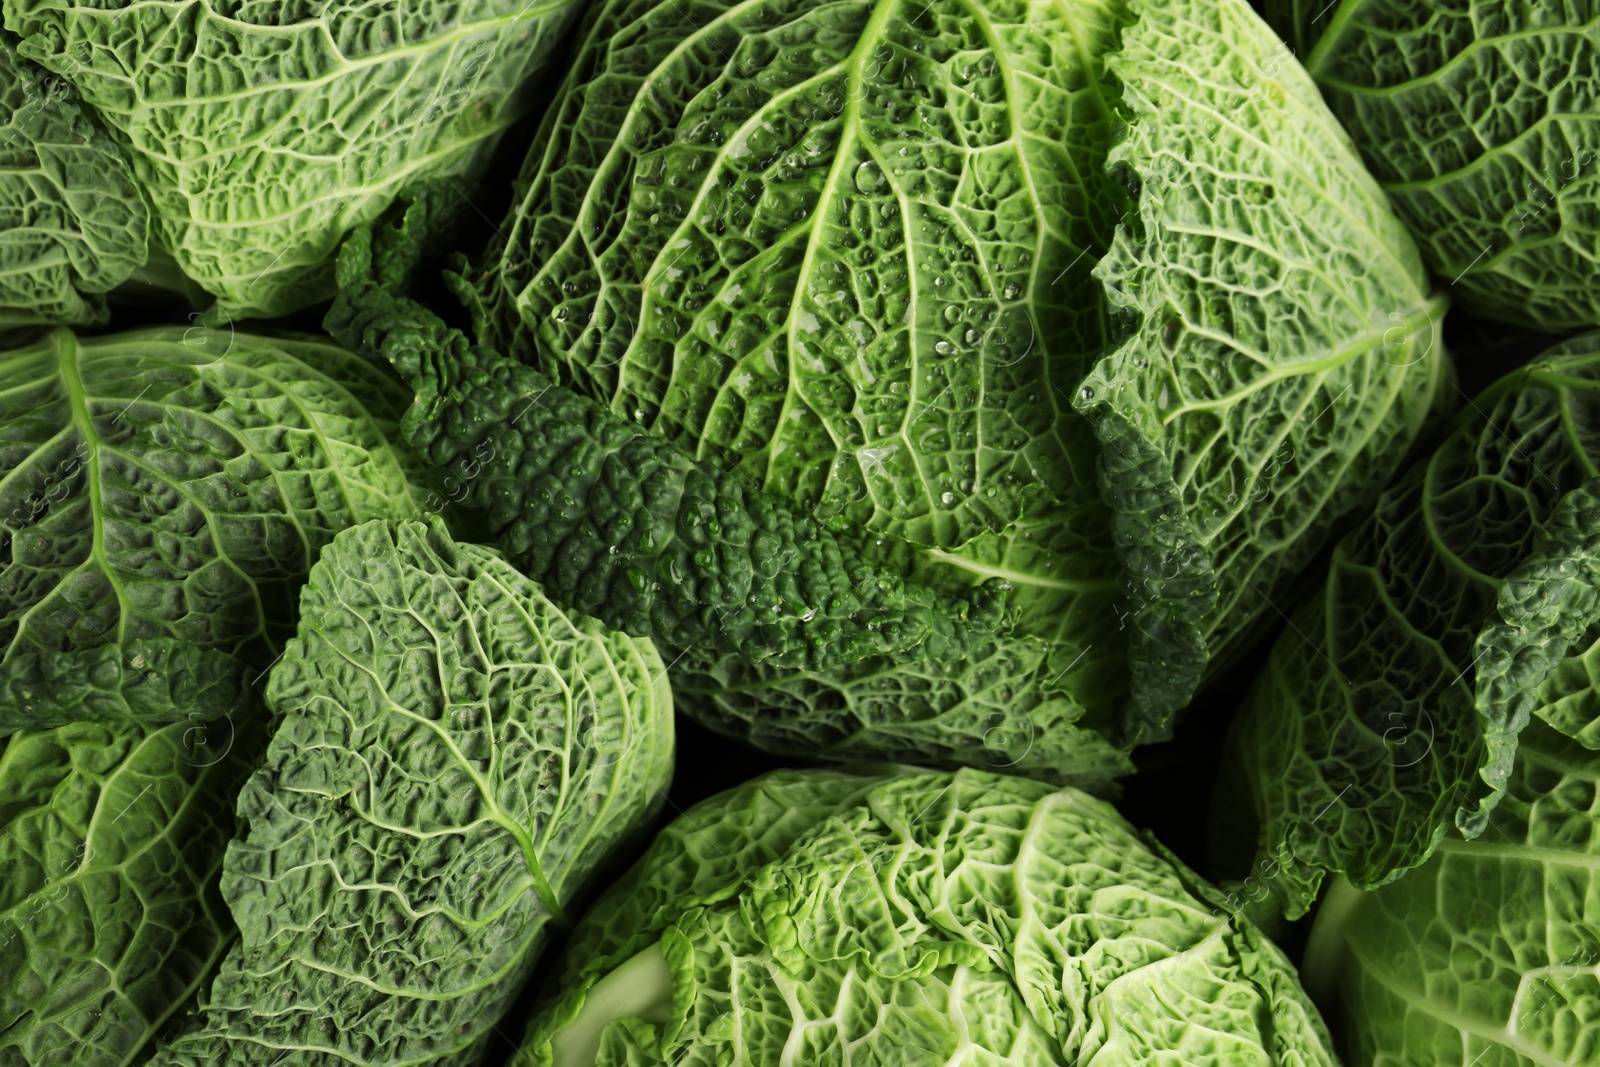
(1005, 705)
(456, 758)
(1486, 954)
(112, 836)
(1555, 590)
(1546, 608)
(850, 251)
(622, 524)
(72, 222)
(1389, 709)
(920, 918)
(1287, 352)
(163, 493)
(846, 254)
(262, 132)
(1480, 119)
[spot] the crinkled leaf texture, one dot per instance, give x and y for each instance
(1287, 350)
(72, 222)
(111, 839)
(892, 915)
(456, 758)
(849, 251)
(163, 494)
(845, 250)
(1486, 954)
(1004, 706)
(263, 132)
(622, 524)
(1555, 592)
(1388, 710)
(1547, 606)
(1480, 119)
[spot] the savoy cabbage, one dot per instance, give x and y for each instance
(882, 260)
(260, 132)
(1388, 713)
(111, 840)
(456, 756)
(163, 493)
(1487, 953)
(72, 222)
(1479, 118)
(892, 915)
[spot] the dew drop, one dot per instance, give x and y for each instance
(1086, 393)
(869, 178)
(952, 313)
(1012, 291)
(945, 348)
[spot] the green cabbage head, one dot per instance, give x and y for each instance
(72, 222)
(1480, 119)
(260, 132)
(891, 915)
(1093, 297)
(1488, 954)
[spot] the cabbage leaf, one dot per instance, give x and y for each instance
(261, 132)
(112, 836)
(1486, 954)
(1288, 349)
(73, 224)
(894, 915)
(1389, 709)
(1479, 118)
(163, 493)
(456, 757)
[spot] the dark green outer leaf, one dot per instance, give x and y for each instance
(456, 758)
(111, 840)
(1480, 119)
(1545, 607)
(164, 492)
(1041, 700)
(845, 249)
(1362, 742)
(623, 524)
(72, 220)
(1486, 955)
(1287, 349)
(1007, 705)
